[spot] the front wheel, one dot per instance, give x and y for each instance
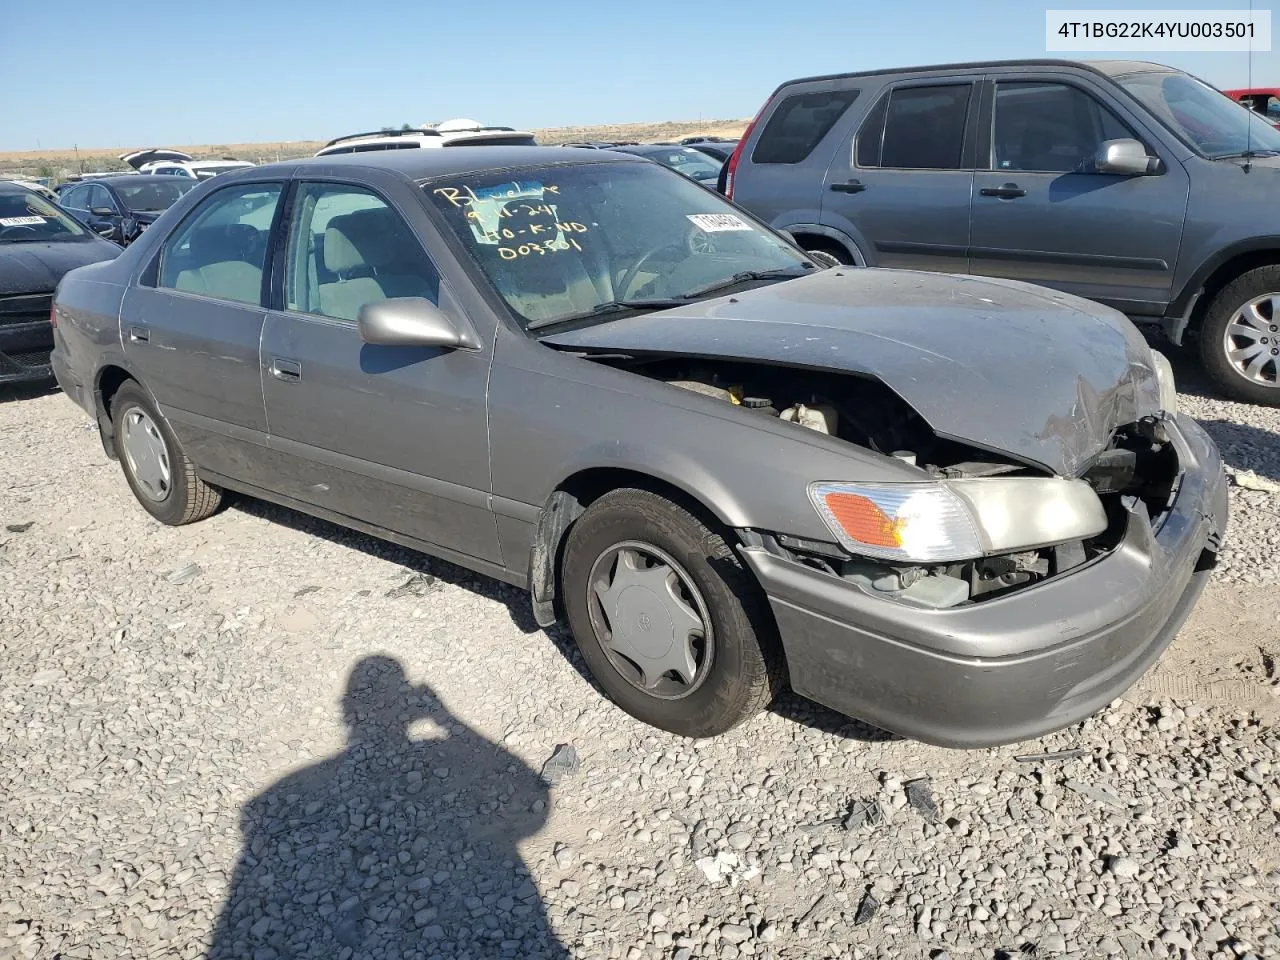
(1240, 337)
(157, 471)
(667, 618)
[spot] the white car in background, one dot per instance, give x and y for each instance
(175, 163)
(459, 132)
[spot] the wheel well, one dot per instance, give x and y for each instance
(110, 380)
(566, 504)
(1224, 274)
(816, 241)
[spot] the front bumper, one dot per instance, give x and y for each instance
(1018, 666)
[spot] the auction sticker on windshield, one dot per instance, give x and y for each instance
(21, 221)
(718, 222)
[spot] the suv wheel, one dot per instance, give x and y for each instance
(1240, 337)
(158, 472)
(669, 621)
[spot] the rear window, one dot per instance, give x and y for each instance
(799, 123)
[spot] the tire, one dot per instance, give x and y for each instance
(184, 498)
(832, 249)
(1232, 299)
(741, 667)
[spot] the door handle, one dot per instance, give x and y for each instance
(288, 370)
(849, 186)
(139, 334)
(1006, 191)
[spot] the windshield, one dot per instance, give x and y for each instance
(1212, 122)
(564, 242)
(29, 218)
(690, 162)
(152, 196)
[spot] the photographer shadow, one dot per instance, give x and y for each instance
(394, 848)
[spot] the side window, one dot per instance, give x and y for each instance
(99, 197)
(871, 135)
(73, 197)
(924, 127)
(798, 124)
(221, 250)
(1049, 127)
(347, 247)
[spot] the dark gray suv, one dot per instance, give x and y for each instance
(1131, 184)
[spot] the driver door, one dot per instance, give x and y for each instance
(1041, 215)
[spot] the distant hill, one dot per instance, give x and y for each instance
(63, 163)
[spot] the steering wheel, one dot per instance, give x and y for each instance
(8, 231)
(624, 285)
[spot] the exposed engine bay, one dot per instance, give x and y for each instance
(1138, 468)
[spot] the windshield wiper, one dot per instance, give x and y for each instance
(745, 276)
(604, 309)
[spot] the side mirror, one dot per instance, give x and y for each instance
(411, 322)
(1124, 157)
(102, 211)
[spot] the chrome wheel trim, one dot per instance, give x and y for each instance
(1251, 342)
(145, 454)
(650, 619)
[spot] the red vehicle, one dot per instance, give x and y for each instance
(1262, 100)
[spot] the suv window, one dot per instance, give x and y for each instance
(347, 247)
(923, 128)
(73, 197)
(221, 250)
(1049, 127)
(798, 124)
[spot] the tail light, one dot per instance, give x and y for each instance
(732, 168)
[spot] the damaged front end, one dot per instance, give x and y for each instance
(977, 525)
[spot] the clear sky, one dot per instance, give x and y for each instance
(145, 73)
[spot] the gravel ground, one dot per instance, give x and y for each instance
(263, 737)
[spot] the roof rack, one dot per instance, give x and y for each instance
(415, 131)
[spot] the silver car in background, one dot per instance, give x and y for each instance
(964, 510)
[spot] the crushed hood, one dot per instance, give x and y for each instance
(37, 267)
(1039, 375)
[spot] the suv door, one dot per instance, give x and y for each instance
(901, 185)
(192, 325)
(1042, 214)
(391, 435)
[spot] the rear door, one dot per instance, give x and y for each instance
(1040, 212)
(392, 435)
(192, 326)
(900, 185)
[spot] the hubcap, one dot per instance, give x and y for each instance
(145, 454)
(1250, 340)
(650, 619)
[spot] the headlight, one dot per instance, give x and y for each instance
(1164, 378)
(949, 520)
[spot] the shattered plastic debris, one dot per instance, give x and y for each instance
(864, 813)
(184, 574)
(562, 764)
(1097, 794)
(717, 868)
(1248, 480)
(866, 909)
(921, 799)
(418, 585)
(1052, 755)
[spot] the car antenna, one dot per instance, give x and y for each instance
(1248, 127)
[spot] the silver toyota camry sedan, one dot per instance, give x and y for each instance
(963, 510)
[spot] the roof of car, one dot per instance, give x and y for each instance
(1110, 68)
(137, 178)
(426, 164)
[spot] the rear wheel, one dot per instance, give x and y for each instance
(159, 474)
(668, 620)
(1240, 337)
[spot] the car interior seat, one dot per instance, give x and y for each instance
(373, 258)
(220, 264)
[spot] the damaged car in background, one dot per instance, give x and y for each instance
(964, 510)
